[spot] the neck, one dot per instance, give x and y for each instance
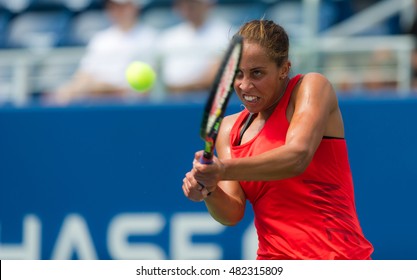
(127, 26)
(269, 111)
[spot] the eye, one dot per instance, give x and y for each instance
(257, 73)
(239, 74)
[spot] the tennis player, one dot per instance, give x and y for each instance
(285, 153)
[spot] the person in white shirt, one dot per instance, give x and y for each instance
(102, 70)
(190, 52)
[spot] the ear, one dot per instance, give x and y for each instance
(285, 70)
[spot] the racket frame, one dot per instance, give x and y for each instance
(219, 97)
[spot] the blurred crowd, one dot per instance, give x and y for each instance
(183, 42)
(175, 52)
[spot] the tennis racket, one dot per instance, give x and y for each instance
(219, 97)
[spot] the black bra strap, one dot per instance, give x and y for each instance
(249, 120)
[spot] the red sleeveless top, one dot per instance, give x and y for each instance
(310, 216)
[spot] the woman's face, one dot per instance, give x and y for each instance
(123, 15)
(258, 82)
(193, 11)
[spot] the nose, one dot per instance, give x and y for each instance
(244, 84)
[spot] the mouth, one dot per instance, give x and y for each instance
(250, 98)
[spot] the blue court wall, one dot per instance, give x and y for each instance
(104, 182)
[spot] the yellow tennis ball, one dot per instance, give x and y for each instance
(140, 76)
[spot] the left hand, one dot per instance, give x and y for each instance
(191, 188)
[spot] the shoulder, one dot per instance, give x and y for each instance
(315, 84)
(222, 142)
(219, 29)
(314, 77)
(146, 30)
(316, 89)
(219, 24)
(228, 123)
(175, 30)
(101, 36)
(171, 35)
(143, 37)
(231, 119)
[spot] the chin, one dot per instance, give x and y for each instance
(252, 110)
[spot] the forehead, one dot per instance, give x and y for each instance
(254, 55)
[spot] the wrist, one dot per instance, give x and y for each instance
(224, 166)
(208, 191)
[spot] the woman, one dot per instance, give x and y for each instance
(286, 154)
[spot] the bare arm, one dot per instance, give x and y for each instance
(226, 204)
(315, 101)
(315, 111)
(83, 85)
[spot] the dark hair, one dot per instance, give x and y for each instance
(270, 36)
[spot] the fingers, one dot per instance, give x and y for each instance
(193, 196)
(198, 155)
(185, 190)
(204, 190)
(191, 189)
(200, 186)
(201, 180)
(205, 193)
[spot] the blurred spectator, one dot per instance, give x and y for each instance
(380, 66)
(102, 69)
(190, 52)
(381, 71)
(411, 29)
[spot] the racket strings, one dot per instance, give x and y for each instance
(225, 86)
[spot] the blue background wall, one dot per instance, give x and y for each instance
(86, 166)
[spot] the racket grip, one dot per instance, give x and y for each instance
(207, 158)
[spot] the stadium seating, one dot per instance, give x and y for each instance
(55, 23)
(239, 12)
(43, 23)
(159, 15)
(4, 20)
(65, 26)
(84, 25)
(37, 29)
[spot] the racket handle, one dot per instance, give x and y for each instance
(207, 158)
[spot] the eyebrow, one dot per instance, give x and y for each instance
(253, 68)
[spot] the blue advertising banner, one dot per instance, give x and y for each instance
(104, 182)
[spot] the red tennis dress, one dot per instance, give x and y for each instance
(310, 216)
